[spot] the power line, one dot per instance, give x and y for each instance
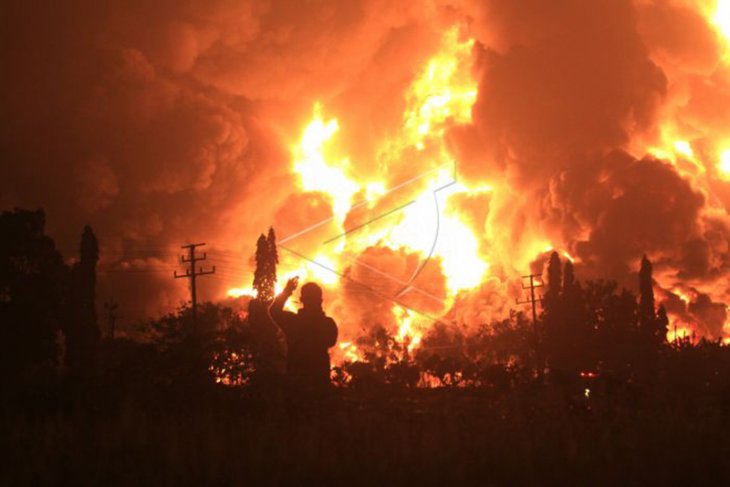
(132, 271)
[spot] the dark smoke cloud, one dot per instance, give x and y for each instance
(634, 207)
(561, 83)
(160, 122)
(566, 87)
(708, 316)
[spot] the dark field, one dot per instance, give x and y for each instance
(532, 435)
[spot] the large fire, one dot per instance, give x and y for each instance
(414, 158)
(700, 152)
(411, 206)
(428, 225)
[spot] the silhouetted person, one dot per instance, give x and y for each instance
(269, 345)
(309, 335)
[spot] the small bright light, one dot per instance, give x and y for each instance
(683, 147)
(721, 18)
(374, 190)
(724, 165)
(322, 270)
(237, 292)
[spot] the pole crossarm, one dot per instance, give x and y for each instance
(111, 316)
(535, 283)
(192, 273)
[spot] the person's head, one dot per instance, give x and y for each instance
(311, 295)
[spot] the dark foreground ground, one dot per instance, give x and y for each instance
(531, 435)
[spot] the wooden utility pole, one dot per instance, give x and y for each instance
(111, 307)
(535, 282)
(192, 273)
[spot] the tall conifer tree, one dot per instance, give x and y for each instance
(264, 280)
(273, 254)
(82, 330)
(662, 323)
(647, 313)
(553, 317)
(554, 284)
(568, 278)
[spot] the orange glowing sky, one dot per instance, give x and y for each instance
(430, 151)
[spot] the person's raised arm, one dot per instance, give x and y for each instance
(277, 306)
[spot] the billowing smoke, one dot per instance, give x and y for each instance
(163, 123)
(597, 127)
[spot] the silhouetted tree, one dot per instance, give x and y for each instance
(385, 360)
(273, 253)
(32, 282)
(581, 346)
(569, 337)
(662, 323)
(613, 315)
(215, 350)
(509, 341)
(445, 355)
(647, 313)
(82, 330)
(554, 282)
(556, 333)
(569, 281)
(264, 280)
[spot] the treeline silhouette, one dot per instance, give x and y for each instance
(587, 400)
(47, 308)
(592, 329)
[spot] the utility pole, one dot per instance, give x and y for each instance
(535, 282)
(111, 316)
(192, 273)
